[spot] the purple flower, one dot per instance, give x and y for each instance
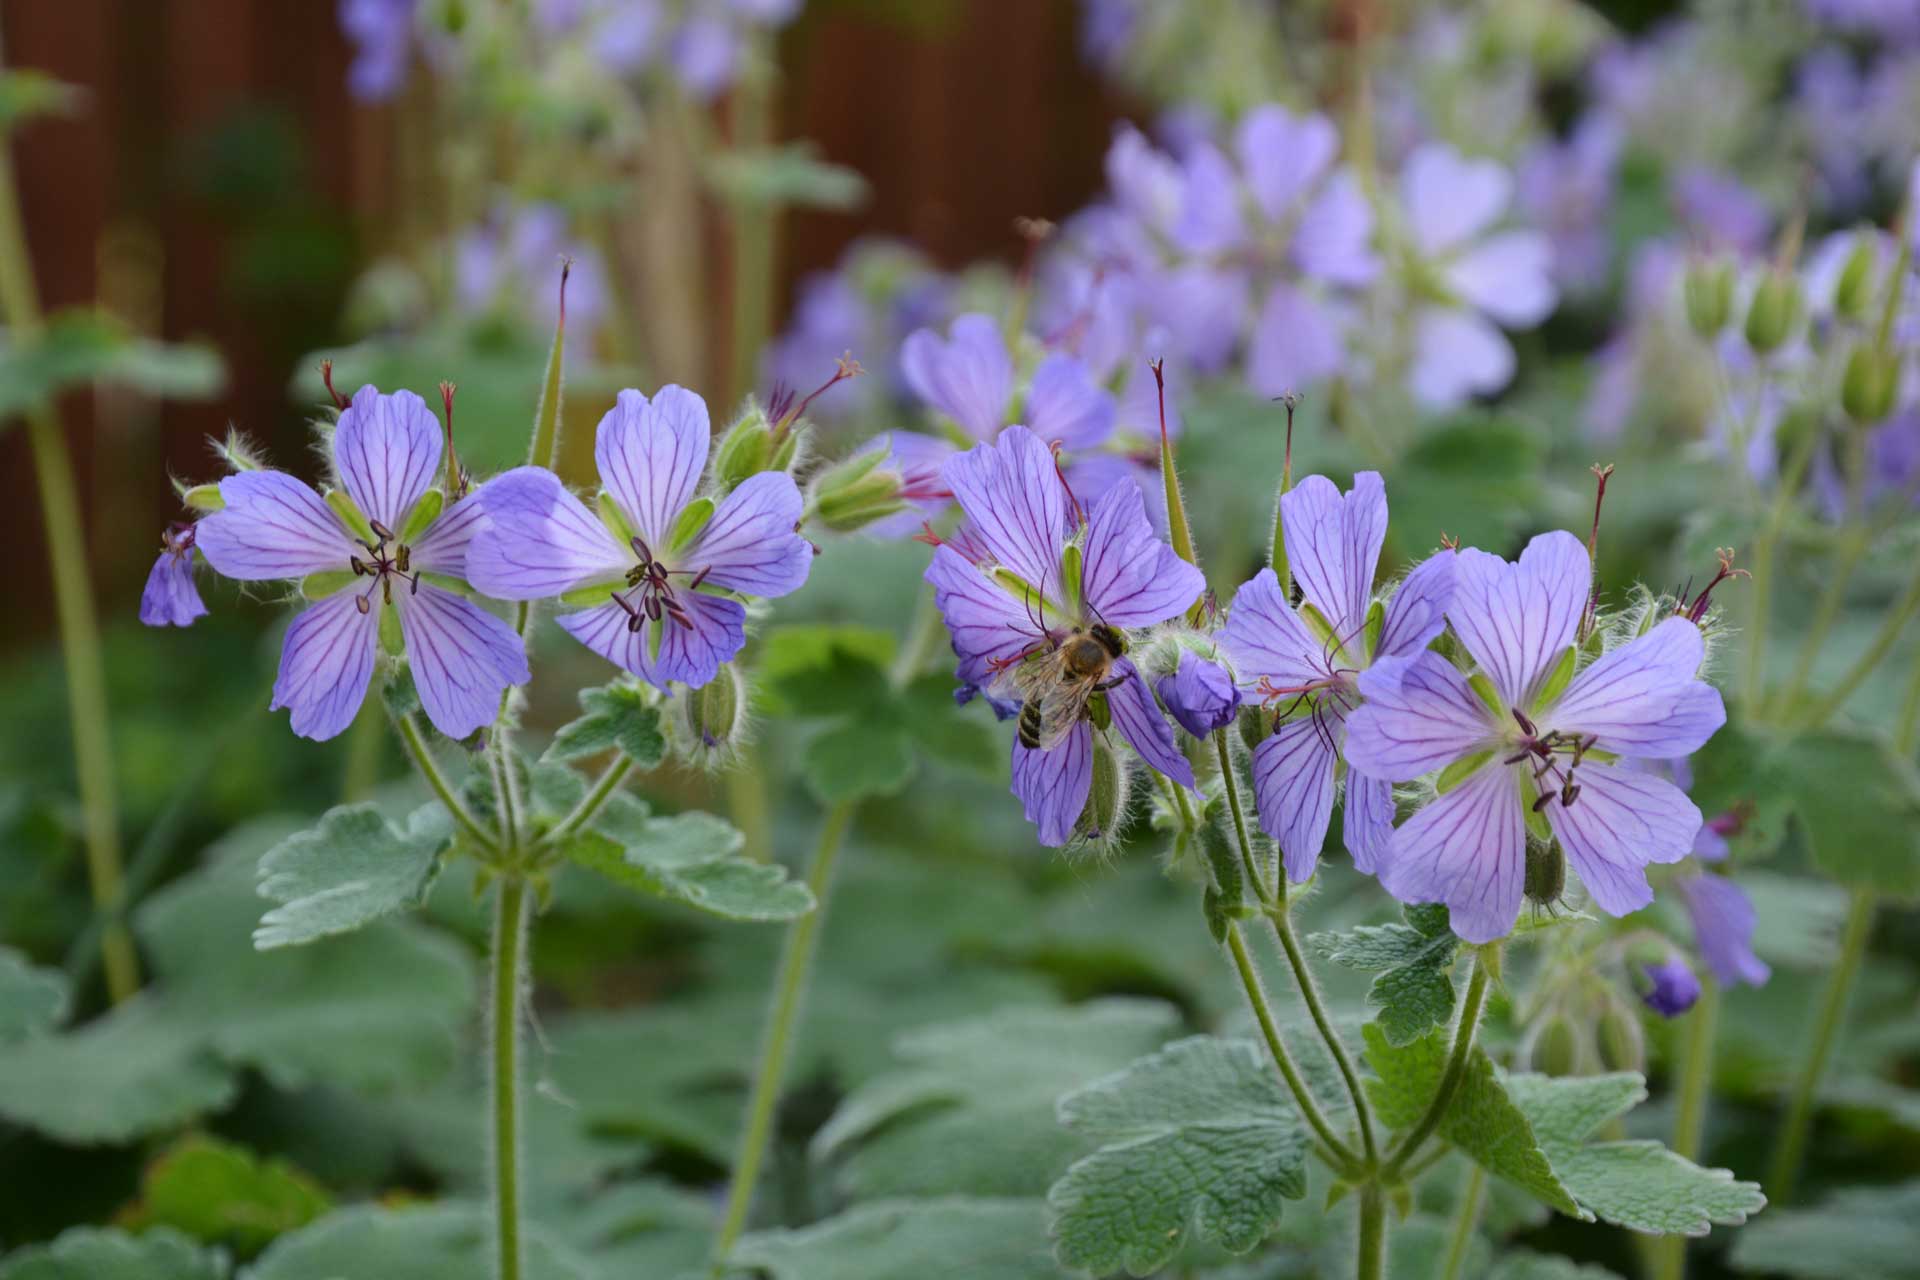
(665, 564)
(1567, 187)
(1721, 212)
(386, 453)
(1723, 921)
(1672, 986)
(1483, 280)
(381, 32)
(1200, 694)
(513, 260)
(170, 598)
(1522, 747)
(968, 376)
(705, 53)
(1313, 665)
(1035, 594)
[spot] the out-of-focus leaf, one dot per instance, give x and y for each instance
(891, 1239)
(1859, 803)
(789, 175)
(32, 999)
(81, 347)
(91, 1253)
(219, 1193)
(353, 868)
(1523, 1264)
(1864, 1233)
(429, 1242)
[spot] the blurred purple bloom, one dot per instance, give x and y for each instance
(1721, 212)
(705, 53)
(386, 452)
(381, 32)
(1723, 923)
(170, 598)
(1895, 21)
(1200, 694)
(1314, 666)
(1672, 986)
(657, 621)
(968, 376)
(1020, 515)
(1106, 29)
(1567, 188)
(513, 260)
(1645, 699)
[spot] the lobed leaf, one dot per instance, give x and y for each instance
(94, 1253)
(693, 858)
(220, 1193)
(618, 715)
(1863, 1233)
(890, 1239)
(355, 867)
(32, 999)
(1414, 992)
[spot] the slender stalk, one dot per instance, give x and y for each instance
(1465, 1219)
(595, 800)
(1784, 490)
(1372, 1263)
(1792, 1143)
(752, 224)
(1464, 1028)
(73, 606)
(436, 780)
(1825, 614)
(1908, 728)
(1247, 861)
(1689, 1125)
(509, 943)
(790, 983)
(1317, 1008)
(1883, 640)
(362, 771)
(1295, 1082)
(505, 796)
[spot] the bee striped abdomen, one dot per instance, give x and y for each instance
(1030, 724)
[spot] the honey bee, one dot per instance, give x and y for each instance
(1055, 686)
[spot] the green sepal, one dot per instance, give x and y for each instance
(1460, 770)
(786, 451)
(204, 497)
(391, 637)
(1537, 824)
(591, 594)
(318, 586)
(1375, 628)
(1337, 1192)
(1482, 685)
(1559, 678)
(1316, 621)
(615, 519)
(447, 582)
(351, 516)
(692, 520)
(1099, 712)
(1070, 571)
(424, 513)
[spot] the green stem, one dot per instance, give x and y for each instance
(509, 943)
(595, 800)
(796, 961)
(1792, 1142)
(73, 606)
(1247, 860)
(1295, 1082)
(1863, 666)
(1689, 1125)
(1465, 1219)
(1464, 1028)
(1372, 1263)
(504, 795)
(436, 780)
(752, 224)
(1824, 616)
(1317, 1008)
(1787, 486)
(362, 770)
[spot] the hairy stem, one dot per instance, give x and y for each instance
(1463, 1032)
(509, 943)
(1316, 1006)
(593, 802)
(1792, 1143)
(1465, 1218)
(1689, 1125)
(1372, 1262)
(790, 984)
(1883, 640)
(443, 791)
(1289, 1073)
(1247, 861)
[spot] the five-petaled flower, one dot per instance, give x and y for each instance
(170, 598)
(395, 536)
(658, 568)
(1522, 745)
(1052, 576)
(1308, 664)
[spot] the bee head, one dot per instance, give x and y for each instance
(1110, 639)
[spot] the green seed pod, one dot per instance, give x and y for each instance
(710, 716)
(745, 450)
(1555, 1049)
(1622, 1045)
(1546, 873)
(1708, 288)
(1853, 293)
(1774, 312)
(1106, 808)
(1869, 385)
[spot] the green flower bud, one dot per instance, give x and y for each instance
(1853, 293)
(1255, 723)
(711, 717)
(745, 450)
(1622, 1045)
(1555, 1049)
(204, 497)
(1708, 288)
(1106, 809)
(857, 492)
(1774, 312)
(1871, 381)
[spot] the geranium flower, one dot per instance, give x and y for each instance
(658, 568)
(170, 598)
(1672, 986)
(413, 555)
(1200, 694)
(1046, 572)
(1312, 666)
(1522, 745)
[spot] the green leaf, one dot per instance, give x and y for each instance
(947, 733)
(1523, 1264)
(1198, 1134)
(1859, 802)
(352, 869)
(617, 715)
(91, 1253)
(219, 1193)
(856, 760)
(826, 671)
(891, 1239)
(1639, 1185)
(971, 1109)
(1482, 1121)
(26, 92)
(128, 1073)
(430, 1242)
(692, 858)
(1863, 1233)
(1414, 992)
(32, 999)
(790, 175)
(80, 347)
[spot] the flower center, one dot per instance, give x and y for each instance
(384, 566)
(1545, 753)
(652, 594)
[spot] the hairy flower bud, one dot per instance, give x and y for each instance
(1870, 384)
(1623, 1047)
(1670, 987)
(1853, 292)
(857, 492)
(1106, 808)
(1708, 289)
(1774, 312)
(1199, 694)
(745, 449)
(711, 717)
(1554, 1048)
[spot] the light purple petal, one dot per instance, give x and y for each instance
(1199, 312)
(271, 527)
(1129, 578)
(1053, 784)
(1266, 640)
(1333, 545)
(170, 598)
(1140, 722)
(1293, 791)
(1457, 355)
(1334, 241)
(1417, 612)
(462, 657)
(985, 622)
(1507, 276)
(443, 547)
(1723, 922)
(1367, 826)
(1015, 503)
(1066, 406)
(1283, 155)
(1209, 219)
(1419, 715)
(1146, 182)
(386, 449)
(538, 540)
(1645, 698)
(1296, 341)
(325, 664)
(650, 455)
(691, 655)
(1517, 619)
(1622, 820)
(1200, 694)
(968, 377)
(1451, 199)
(749, 546)
(1467, 849)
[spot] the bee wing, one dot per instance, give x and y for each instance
(1061, 707)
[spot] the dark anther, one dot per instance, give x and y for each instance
(380, 531)
(640, 549)
(359, 566)
(360, 602)
(634, 624)
(1569, 793)
(699, 578)
(1526, 725)
(404, 560)
(1541, 804)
